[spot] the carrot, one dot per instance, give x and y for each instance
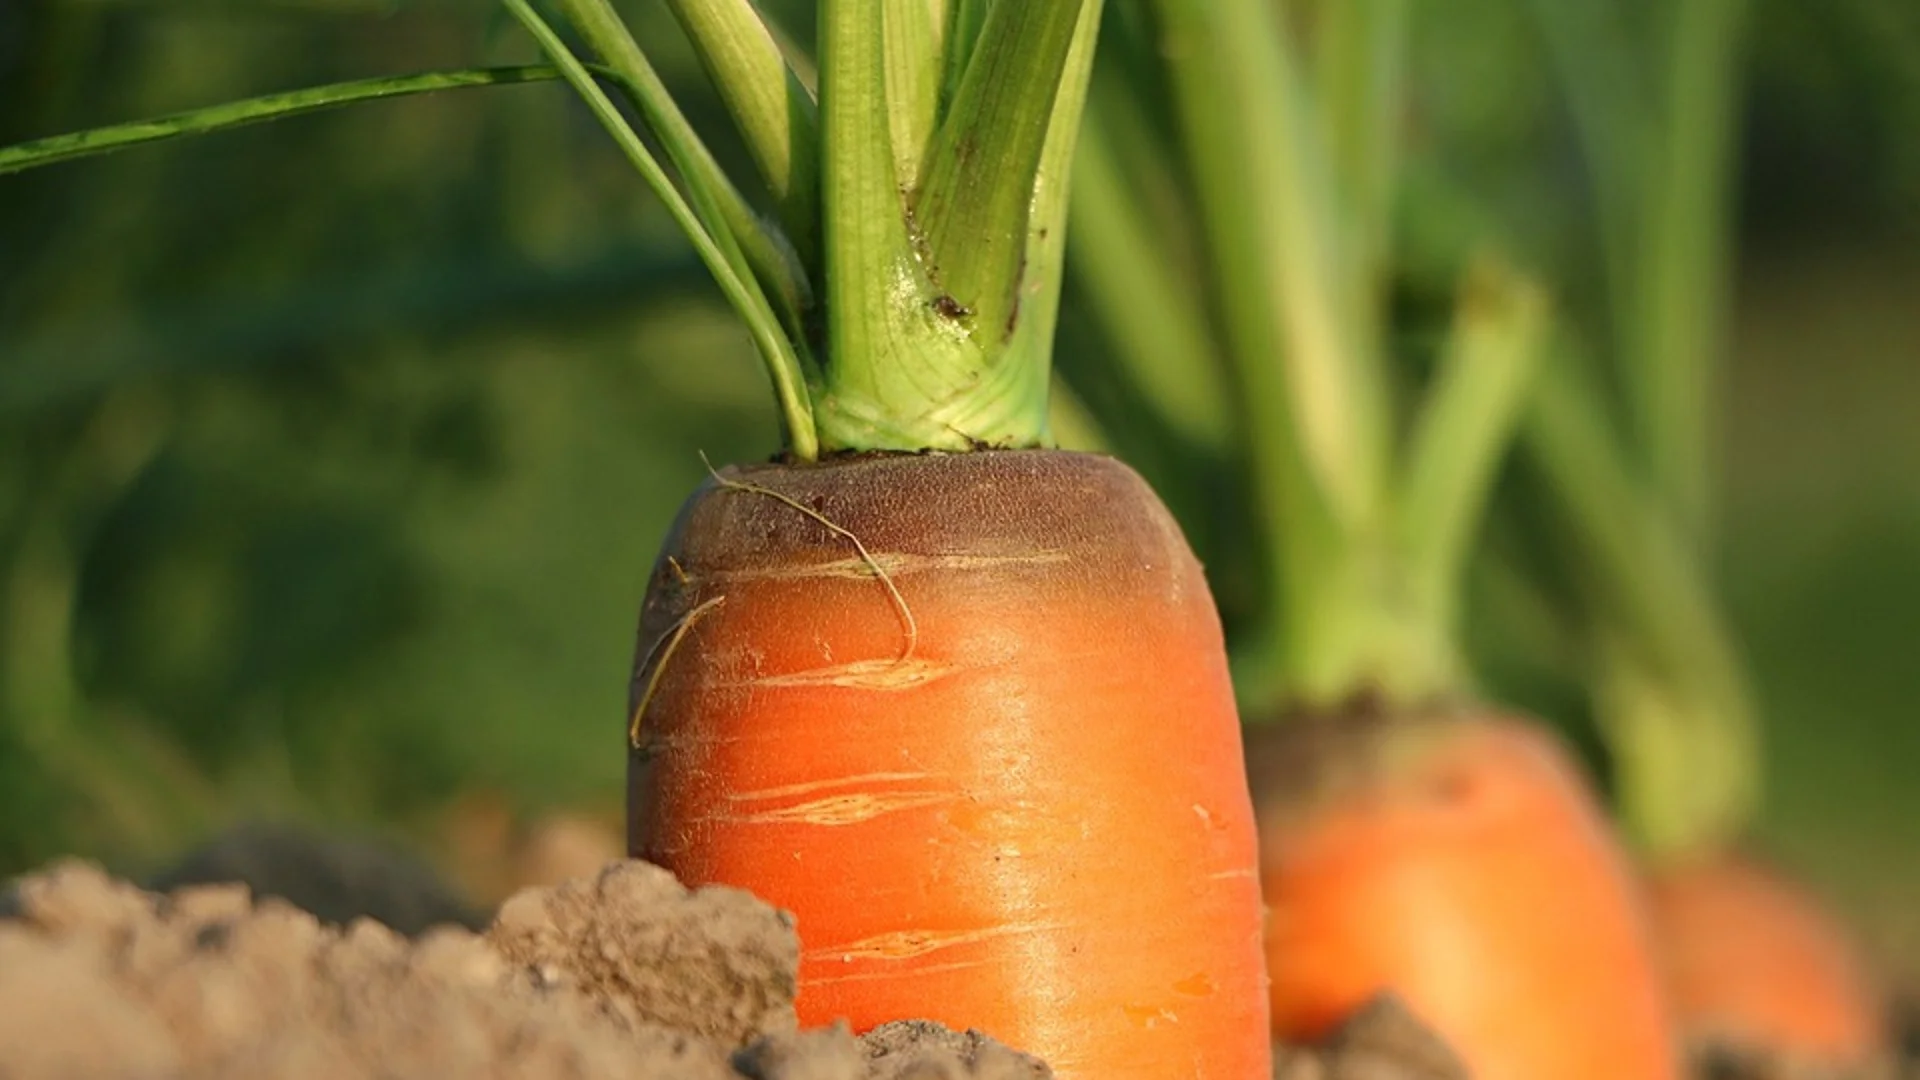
(1757, 965)
(955, 699)
(1416, 840)
(1022, 809)
(1458, 860)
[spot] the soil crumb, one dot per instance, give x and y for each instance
(1382, 1041)
(626, 974)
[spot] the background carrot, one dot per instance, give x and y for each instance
(1414, 840)
(1620, 497)
(1449, 875)
(1757, 966)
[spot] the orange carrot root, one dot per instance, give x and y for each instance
(1463, 865)
(1034, 822)
(1757, 966)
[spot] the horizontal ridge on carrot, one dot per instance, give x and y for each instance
(957, 700)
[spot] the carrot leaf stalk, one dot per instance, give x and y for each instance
(905, 299)
(1670, 691)
(1461, 436)
(1289, 157)
(1633, 483)
(701, 219)
(1166, 348)
(927, 290)
(774, 111)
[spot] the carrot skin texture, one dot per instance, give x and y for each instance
(1024, 810)
(1463, 865)
(1754, 962)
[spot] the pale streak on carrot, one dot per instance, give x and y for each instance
(907, 944)
(810, 786)
(868, 976)
(897, 564)
(859, 675)
(838, 810)
(1228, 875)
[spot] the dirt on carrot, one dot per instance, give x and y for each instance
(626, 974)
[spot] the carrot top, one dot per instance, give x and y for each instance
(1285, 186)
(903, 293)
(902, 287)
(1620, 436)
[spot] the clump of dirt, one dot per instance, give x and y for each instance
(920, 1050)
(718, 963)
(1382, 1041)
(626, 975)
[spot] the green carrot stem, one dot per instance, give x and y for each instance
(1673, 349)
(773, 110)
(915, 360)
(965, 19)
(1030, 347)
(1462, 433)
(769, 257)
(976, 190)
(1361, 64)
(722, 256)
(913, 51)
(1673, 688)
(1164, 346)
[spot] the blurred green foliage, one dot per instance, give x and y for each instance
(334, 452)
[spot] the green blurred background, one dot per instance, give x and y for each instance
(334, 452)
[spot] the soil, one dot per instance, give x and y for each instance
(1722, 1061)
(1383, 1041)
(627, 974)
(213, 971)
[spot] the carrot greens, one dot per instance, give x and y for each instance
(1365, 504)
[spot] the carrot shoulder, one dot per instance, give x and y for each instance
(968, 717)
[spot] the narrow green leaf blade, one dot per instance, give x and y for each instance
(229, 115)
(782, 362)
(720, 205)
